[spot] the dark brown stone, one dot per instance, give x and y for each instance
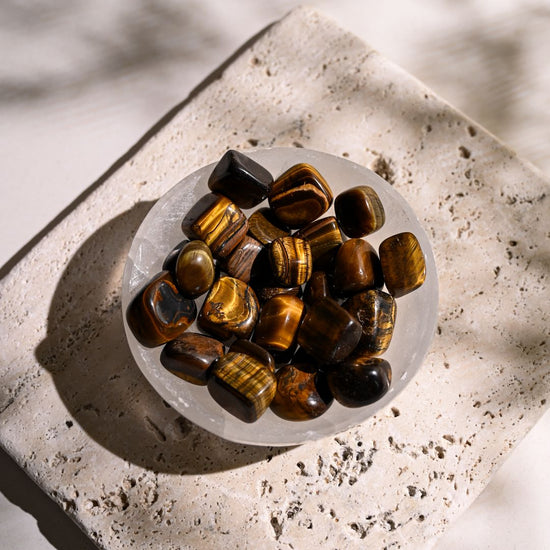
(245, 260)
(359, 211)
(317, 288)
(265, 227)
(250, 348)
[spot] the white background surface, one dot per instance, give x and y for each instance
(81, 82)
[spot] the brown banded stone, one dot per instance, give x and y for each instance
(243, 262)
(291, 260)
(302, 393)
(316, 288)
(190, 355)
(403, 263)
(265, 227)
(324, 238)
(217, 221)
(250, 348)
(278, 323)
(359, 211)
(328, 332)
(356, 268)
(300, 195)
(264, 293)
(359, 382)
(375, 310)
(195, 270)
(230, 309)
(242, 385)
(241, 179)
(159, 313)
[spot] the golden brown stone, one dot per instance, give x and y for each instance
(244, 261)
(264, 226)
(359, 211)
(264, 293)
(324, 238)
(291, 260)
(195, 270)
(250, 348)
(317, 288)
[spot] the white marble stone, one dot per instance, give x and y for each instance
(78, 416)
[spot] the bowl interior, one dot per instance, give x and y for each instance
(415, 321)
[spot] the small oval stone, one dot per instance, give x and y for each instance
(356, 268)
(241, 179)
(359, 382)
(302, 393)
(244, 261)
(291, 260)
(328, 332)
(218, 222)
(317, 288)
(230, 309)
(264, 226)
(376, 311)
(403, 263)
(159, 313)
(278, 323)
(242, 385)
(190, 355)
(250, 348)
(169, 263)
(300, 195)
(359, 211)
(324, 238)
(195, 270)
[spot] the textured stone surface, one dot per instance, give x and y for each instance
(77, 415)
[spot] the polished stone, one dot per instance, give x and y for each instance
(302, 393)
(241, 179)
(190, 355)
(169, 263)
(250, 348)
(195, 271)
(317, 287)
(278, 323)
(403, 263)
(356, 268)
(300, 195)
(217, 221)
(159, 313)
(264, 293)
(324, 238)
(265, 227)
(230, 309)
(359, 382)
(359, 211)
(242, 385)
(245, 260)
(291, 260)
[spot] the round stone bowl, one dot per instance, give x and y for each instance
(415, 321)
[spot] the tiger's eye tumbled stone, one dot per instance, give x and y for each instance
(375, 310)
(403, 263)
(230, 309)
(291, 260)
(316, 288)
(264, 293)
(218, 222)
(242, 385)
(359, 211)
(241, 179)
(264, 226)
(169, 263)
(190, 355)
(159, 312)
(278, 323)
(250, 348)
(359, 382)
(195, 270)
(328, 332)
(300, 195)
(244, 261)
(324, 238)
(356, 268)
(302, 393)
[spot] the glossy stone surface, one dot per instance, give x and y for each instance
(278, 323)
(230, 309)
(302, 393)
(244, 261)
(159, 313)
(356, 268)
(317, 288)
(242, 385)
(324, 238)
(241, 179)
(300, 195)
(195, 270)
(264, 293)
(291, 260)
(359, 211)
(376, 311)
(403, 263)
(328, 332)
(265, 227)
(190, 355)
(359, 382)
(250, 348)
(169, 263)
(217, 221)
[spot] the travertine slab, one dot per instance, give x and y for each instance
(76, 413)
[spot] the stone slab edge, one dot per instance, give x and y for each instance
(76, 414)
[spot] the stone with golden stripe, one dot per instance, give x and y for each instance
(359, 211)
(291, 260)
(264, 226)
(324, 238)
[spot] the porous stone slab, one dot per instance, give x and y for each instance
(76, 413)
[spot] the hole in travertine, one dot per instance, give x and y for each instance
(465, 153)
(472, 131)
(395, 411)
